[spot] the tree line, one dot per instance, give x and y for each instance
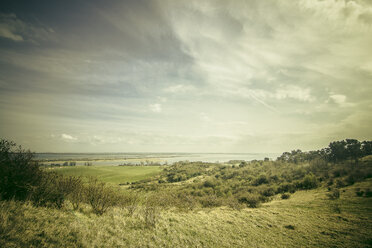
(337, 151)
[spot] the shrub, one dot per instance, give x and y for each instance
(368, 193)
(359, 192)
(54, 189)
(18, 173)
(210, 201)
(100, 196)
(209, 184)
(285, 196)
(330, 182)
(74, 189)
(309, 182)
(268, 192)
(49, 192)
(130, 201)
(251, 200)
(234, 203)
(291, 227)
(262, 179)
(286, 187)
(340, 183)
(355, 176)
(334, 194)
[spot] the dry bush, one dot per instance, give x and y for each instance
(100, 196)
(234, 203)
(76, 191)
(285, 196)
(251, 200)
(49, 192)
(210, 201)
(130, 201)
(151, 212)
(334, 194)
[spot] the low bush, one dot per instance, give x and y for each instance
(251, 200)
(209, 184)
(286, 187)
(75, 191)
(368, 193)
(267, 192)
(49, 192)
(309, 182)
(285, 196)
(209, 201)
(234, 203)
(340, 183)
(100, 196)
(334, 194)
(262, 179)
(130, 201)
(359, 192)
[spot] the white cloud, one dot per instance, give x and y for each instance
(204, 117)
(339, 99)
(156, 107)
(294, 92)
(68, 137)
(179, 88)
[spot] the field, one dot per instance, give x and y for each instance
(112, 174)
(307, 219)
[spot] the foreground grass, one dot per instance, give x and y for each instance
(111, 174)
(307, 219)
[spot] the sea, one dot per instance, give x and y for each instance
(111, 159)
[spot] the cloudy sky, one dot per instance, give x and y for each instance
(185, 76)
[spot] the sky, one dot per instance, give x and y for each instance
(184, 75)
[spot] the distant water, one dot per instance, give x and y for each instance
(137, 158)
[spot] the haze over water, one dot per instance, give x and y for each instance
(137, 158)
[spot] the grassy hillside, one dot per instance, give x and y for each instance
(111, 174)
(308, 219)
(299, 200)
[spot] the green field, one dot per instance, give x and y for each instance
(111, 174)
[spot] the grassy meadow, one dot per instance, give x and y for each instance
(307, 219)
(111, 174)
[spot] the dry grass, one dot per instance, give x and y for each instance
(314, 221)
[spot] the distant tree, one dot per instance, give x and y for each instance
(353, 149)
(366, 148)
(337, 151)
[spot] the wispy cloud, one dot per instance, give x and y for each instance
(13, 28)
(67, 137)
(156, 107)
(179, 88)
(132, 75)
